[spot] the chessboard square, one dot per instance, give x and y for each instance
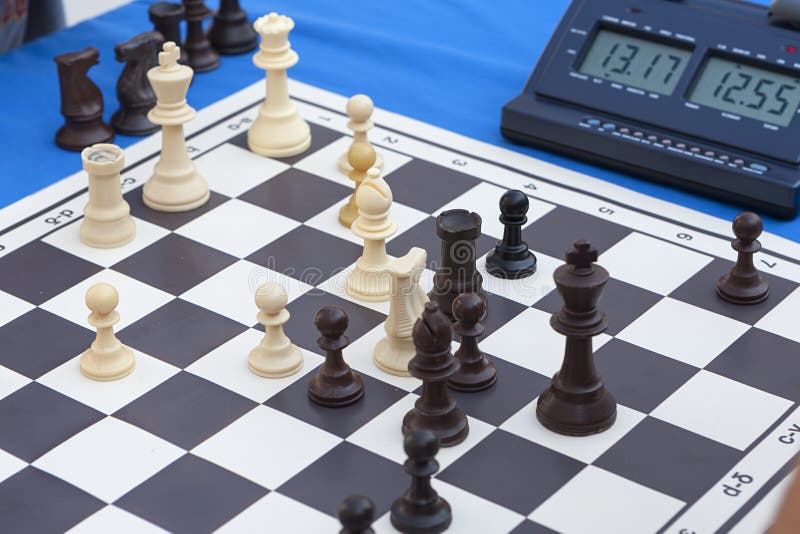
(556, 231)
(185, 410)
(191, 495)
(651, 263)
(360, 356)
(174, 264)
(12, 307)
(113, 519)
(9, 465)
(266, 446)
(511, 471)
(499, 312)
(170, 220)
(528, 290)
(722, 409)
(37, 272)
(781, 320)
(337, 285)
(529, 527)
(180, 332)
(684, 332)
(237, 228)
(11, 381)
(428, 186)
(320, 137)
(109, 458)
(296, 194)
(282, 514)
(232, 170)
(605, 498)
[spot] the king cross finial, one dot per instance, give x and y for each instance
(582, 255)
(170, 55)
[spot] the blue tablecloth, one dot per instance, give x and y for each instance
(452, 63)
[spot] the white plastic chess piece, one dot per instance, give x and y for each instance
(107, 221)
(278, 131)
(107, 358)
(275, 356)
(395, 350)
(359, 109)
(369, 281)
(175, 184)
(362, 158)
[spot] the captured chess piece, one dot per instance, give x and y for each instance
(511, 258)
(134, 93)
(107, 221)
(199, 54)
(577, 402)
(744, 284)
(230, 32)
(107, 358)
(359, 109)
(356, 514)
(433, 363)
(276, 356)
(362, 158)
(421, 509)
(335, 384)
(81, 102)
(475, 371)
(166, 18)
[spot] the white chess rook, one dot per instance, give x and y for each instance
(359, 109)
(275, 356)
(107, 358)
(278, 131)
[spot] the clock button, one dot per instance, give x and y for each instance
(725, 157)
(593, 122)
(682, 146)
(625, 131)
(609, 126)
(738, 162)
(759, 167)
(666, 142)
(694, 150)
(709, 153)
(638, 134)
(652, 138)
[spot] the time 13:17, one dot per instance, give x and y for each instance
(622, 56)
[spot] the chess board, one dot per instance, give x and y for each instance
(192, 441)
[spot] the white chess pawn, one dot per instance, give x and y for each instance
(359, 109)
(107, 358)
(275, 356)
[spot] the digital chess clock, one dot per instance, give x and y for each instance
(703, 94)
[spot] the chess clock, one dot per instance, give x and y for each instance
(701, 94)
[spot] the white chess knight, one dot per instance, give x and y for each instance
(395, 350)
(359, 109)
(275, 356)
(107, 358)
(278, 131)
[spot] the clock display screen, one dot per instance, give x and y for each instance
(640, 63)
(749, 91)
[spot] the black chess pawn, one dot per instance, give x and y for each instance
(421, 510)
(511, 257)
(166, 18)
(356, 514)
(230, 32)
(475, 371)
(81, 102)
(433, 363)
(199, 54)
(744, 284)
(134, 93)
(335, 384)
(577, 402)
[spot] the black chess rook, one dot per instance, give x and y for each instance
(166, 18)
(744, 284)
(511, 257)
(134, 92)
(335, 384)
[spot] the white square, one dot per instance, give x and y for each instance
(238, 228)
(12, 307)
(651, 263)
(11, 381)
(232, 170)
(136, 299)
(283, 515)
(606, 503)
(683, 332)
(722, 409)
(231, 292)
(782, 319)
(10, 464)
(528, 290)
(227, 366)
(359, 355)
(113, 519)
(587, 449)
(266, 446)
(109, 458)
(109, 396)
(68, 239)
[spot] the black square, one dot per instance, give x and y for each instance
(320, 137)
(669, 459)
(185, 410)
(307, 254)
(174, 264)
(530, 527)
(39, 341)
(37, 272)
(180, 332)
(191, 495)
(170, 220)
(511, 471)
(36, 419)
(296, 194)
(555, 232)
(499, 311)
(427, 186)
(33, 501)
(348, 469)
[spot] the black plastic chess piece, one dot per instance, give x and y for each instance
(421, 510)
(511, 257)
(475, 371)
(135, 95)
(433, 363)
(335, 384)
(199, 54)
(356, 514)
(81, 102)
(577, 402)
(458, 229)
(744, 284)
(166, 18)
(785, 13)
(230, 32)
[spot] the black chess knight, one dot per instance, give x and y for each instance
(135, 95)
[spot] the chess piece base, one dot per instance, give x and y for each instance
(175, 193)
(451, 428)
(105, 368)
(133, 122)
(473, 381)
(576, 414)
(510, 265)
(408, 518)
(233, 34)
(76, 136)
(279, 136)
(392, 356)
(368, 285)
(201, 58)
(107, 234)
(275, 365)
(325, 392)
(345, 167)
(736, 290)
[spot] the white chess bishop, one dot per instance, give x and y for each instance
(275, 356)
(359, 109)
(107, 358)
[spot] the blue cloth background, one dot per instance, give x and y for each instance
(452, 63)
